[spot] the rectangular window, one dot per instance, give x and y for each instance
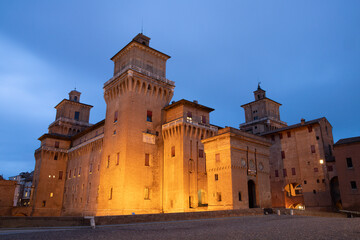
(110, 193)
(56, 156)
(217, 157)
(330, 168)
(353, 185)
(289, 134)
(51, 194)
(60, 175)
(147, 159)
(305, 182)
(146, 194)
(282, 154)
(43, 203)
(203, 119)
(256, 118)
(316, 169)
(189, 117)
(272, 137)
(201, 153)
(218, 196)
(330, 150)
(312, 148)
(75, 172)
(280, 135)
(276, 173)
(149, 116)
(293, 172)
(115, 116)
(90, 168)
(108, 162)
(79, 172)
(349, 162)
(284, 172)
(173, 151)
(117, 158)
(216, 177)
(310, 129)
(239, 196)
(77, 116)
(57, 144)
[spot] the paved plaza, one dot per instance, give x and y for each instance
(248, 227)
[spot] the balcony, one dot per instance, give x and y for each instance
(195, 121)
(142, 71)
(71, 121)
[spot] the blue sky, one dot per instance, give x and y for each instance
(305, 53)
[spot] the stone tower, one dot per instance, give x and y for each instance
(51, 158)
(261, 115)
(131, 165)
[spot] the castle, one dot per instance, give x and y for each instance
(152, 156)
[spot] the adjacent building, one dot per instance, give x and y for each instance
(347, 155)
(301, 160)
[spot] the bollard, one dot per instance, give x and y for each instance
(92, 221)
(291, 212)
(278, 212)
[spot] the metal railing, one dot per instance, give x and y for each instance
(191, 121)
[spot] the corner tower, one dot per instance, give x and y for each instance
(131, 164)
(261, 115)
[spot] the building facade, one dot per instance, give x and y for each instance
(347, 155)
(147, 155)
(301, 161)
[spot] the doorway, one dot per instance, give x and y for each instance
(252, 194)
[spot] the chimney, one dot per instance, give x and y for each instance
(196, 101)
(302, 121)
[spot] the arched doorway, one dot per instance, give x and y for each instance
(251, 194)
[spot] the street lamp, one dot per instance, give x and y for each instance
(321, 161)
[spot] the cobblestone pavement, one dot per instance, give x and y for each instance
(248, 227)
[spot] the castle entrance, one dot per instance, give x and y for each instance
(251, 194)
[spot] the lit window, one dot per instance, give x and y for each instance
(189, 117)
(149, 116)
(51, 194)
(147, 159)
(146, 193)
(43, 203)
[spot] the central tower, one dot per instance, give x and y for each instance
(131, 165)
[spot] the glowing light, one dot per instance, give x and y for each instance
(321, 161)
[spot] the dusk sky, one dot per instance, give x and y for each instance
(306, 54)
